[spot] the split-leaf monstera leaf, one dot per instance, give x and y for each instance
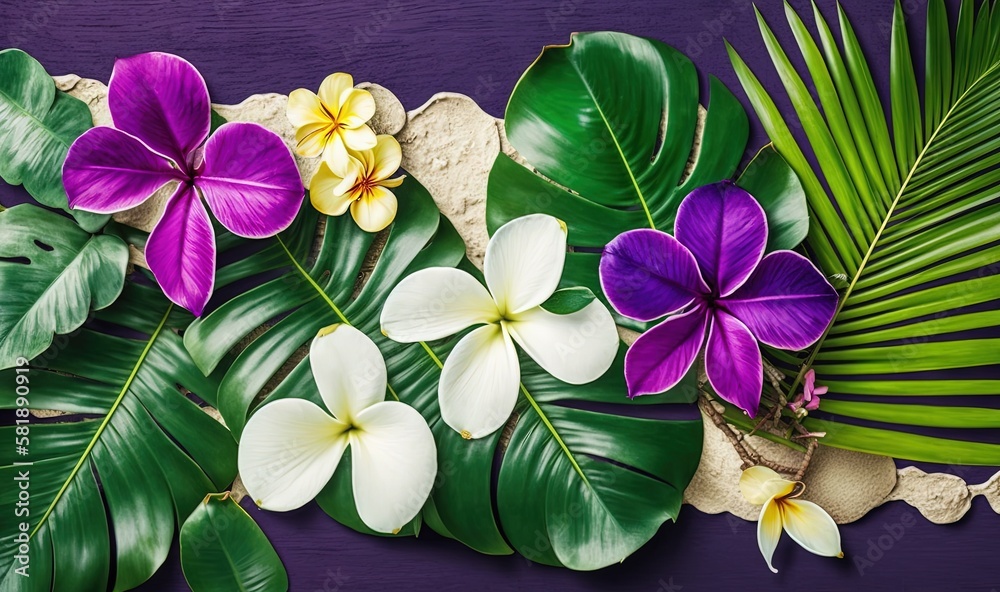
(53, 273)
(38, 124)
(112, 479)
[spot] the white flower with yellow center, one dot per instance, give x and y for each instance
(480, 378)
(364, 187)
(333, 121)
(291, 447)
(808, 524)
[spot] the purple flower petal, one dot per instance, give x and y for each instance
(162, 100)
(647, 274)
(786, 303)
(181, 251)
(250, 180)
(108, 171)
(733, 363)
(726, 230)
(662, 356)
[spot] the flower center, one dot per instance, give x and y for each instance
(365, 188)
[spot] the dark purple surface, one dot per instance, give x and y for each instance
(479, 48)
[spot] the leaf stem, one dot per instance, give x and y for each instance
(312, 282)
(618, 147)
(323, 295)
(107, 418)
(555, 434)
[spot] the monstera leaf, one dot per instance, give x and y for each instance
(576, 487)
(111, 480)
(912, 219)
(53, 273)
(608, 125)
(222, 548)
(37, 126)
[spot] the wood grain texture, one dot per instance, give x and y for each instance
(480, 48)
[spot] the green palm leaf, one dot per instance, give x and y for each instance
(912, 219)
(133, 457)
(552, 459)
(608, 125)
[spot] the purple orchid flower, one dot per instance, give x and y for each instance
(160, 107)
(714, 276)
(808, 399)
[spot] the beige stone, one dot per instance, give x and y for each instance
(940, 497)
(449, 145)
(846, 484)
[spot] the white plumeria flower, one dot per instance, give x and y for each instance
(480, 379)
(808, 524)
(290, 448)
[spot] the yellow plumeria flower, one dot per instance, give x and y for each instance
(333, 121)
(363, 187)
(808, 524)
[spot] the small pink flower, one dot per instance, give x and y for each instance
(809, 398)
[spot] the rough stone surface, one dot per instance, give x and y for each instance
(449, 145)
(846, 484)
(940, 497)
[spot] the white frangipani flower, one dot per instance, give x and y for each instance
(291, 447)
(808, 524)
(480, 379)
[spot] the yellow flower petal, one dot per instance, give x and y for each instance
(304, 108)
(333, 88)
(335, 155)
(358, 139)
(311, 139)
(388, 156)
(769, 531)
(375, 211)
(327, 194)
(759, 484)
(810, 526)
(366, 158)
(392, 182)
(356, 107)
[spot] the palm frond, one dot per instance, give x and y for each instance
(913, 220)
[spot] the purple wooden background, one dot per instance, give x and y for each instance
(479, 48)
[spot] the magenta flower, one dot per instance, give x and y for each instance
(162, 115)
(808, 399)
(713, 280)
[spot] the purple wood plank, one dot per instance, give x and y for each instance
(480, 48)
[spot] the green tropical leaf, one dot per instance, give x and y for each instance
(37, 126)
(559, 499)
(222, 548)
(112, 479)
(608, 125)
(911, 219)
(568, 300)
(54, 273)
(776, 187)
